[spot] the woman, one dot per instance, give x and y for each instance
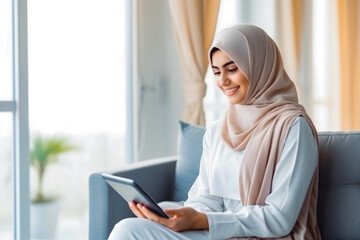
(259, 168)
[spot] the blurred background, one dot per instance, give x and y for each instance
(78, 81)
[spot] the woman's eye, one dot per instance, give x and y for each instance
(232, 69)
(216, 73)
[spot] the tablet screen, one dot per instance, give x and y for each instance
(131, 191)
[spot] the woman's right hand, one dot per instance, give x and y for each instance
(180, 219)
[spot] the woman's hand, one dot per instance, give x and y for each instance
(180, 219)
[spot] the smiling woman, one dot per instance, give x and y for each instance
(229, 78)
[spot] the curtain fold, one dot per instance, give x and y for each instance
(194, 24)
(297, 9)
(348, 19)
(289, 33)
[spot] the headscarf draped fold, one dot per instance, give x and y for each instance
(260, 123)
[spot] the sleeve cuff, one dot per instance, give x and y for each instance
(223, 225)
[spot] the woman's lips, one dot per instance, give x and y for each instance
(231, 91)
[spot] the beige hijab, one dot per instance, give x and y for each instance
(260, 123)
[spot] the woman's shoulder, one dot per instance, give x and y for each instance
(300, 120)
(301, 123)
(300, 127)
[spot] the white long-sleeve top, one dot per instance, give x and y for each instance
(216, 189)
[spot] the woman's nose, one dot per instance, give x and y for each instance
(224, 80)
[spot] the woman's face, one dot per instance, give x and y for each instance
(229, 78)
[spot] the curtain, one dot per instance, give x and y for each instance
(348, 18)
(297, 11)
(194, 24)
(289, 29)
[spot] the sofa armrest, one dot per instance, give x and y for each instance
(106, 207)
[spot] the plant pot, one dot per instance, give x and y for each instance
(43, 219)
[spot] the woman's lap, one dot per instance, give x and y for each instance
(137, 228)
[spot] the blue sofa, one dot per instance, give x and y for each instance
(170, 179)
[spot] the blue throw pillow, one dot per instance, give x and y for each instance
(189, 155)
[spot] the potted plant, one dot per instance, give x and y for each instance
(45, 209)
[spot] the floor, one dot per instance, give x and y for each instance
(67, 230)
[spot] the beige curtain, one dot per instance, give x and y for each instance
(194, 23)
(289, 27)
(297, 9)
(348, 14)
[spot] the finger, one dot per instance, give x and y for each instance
(172, 212)
(151, 215)
(135, 209)
(139, 207)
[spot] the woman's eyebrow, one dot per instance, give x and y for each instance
(226, 64)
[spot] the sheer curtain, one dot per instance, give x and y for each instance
(308, 39)
(348, 18)
(194, 23)
(319, 41)
(289, 28)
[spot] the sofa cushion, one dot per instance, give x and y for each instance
(339, 185)
(189, 155)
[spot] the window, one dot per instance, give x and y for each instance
(6, 153)
(6, 177)
(5, 50)
(14, 162)
(77, 91)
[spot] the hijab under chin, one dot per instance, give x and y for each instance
(260, 124)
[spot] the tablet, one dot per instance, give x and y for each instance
(131, 191)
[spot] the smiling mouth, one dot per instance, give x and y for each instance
(232, 91)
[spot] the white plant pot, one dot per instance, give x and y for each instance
(43, 219)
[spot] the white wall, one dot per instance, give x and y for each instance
(160, 90)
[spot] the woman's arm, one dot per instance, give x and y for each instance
(290, 184)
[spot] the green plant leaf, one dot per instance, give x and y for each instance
(44, 152)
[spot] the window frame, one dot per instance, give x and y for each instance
(131, 82)
(18, 106)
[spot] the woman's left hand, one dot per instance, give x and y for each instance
(180, 219)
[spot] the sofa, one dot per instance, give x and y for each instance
(170, 178)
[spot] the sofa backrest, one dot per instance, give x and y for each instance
(339, 185)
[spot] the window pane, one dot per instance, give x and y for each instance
(77, 91)
(6, 177)
(5, 50)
